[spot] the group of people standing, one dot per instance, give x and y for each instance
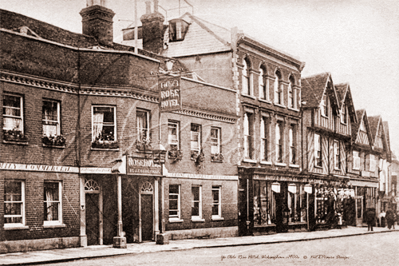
(371, 218)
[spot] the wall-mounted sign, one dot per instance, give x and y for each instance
(276, 187)
(169, 94)
(142, 166)
(308, 188)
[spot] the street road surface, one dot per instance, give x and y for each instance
(373, 249)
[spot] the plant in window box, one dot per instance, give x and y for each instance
(14, 135)
(175, 154)
(143, 144)
(105, 141)
(217, 157)
(58, 140)
(197, 156)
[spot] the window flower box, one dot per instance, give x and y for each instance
(105, 141)
(197, 156)
(217, 157)
(14, 136)
(58, 141)
(143, 145)
(175, 155)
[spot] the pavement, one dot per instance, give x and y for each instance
(90, 252)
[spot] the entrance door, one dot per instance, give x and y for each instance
(359, 210)
(146, 217)
(242, 212)
(92, 219)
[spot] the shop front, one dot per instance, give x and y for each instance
(365, 198)
(273, 204)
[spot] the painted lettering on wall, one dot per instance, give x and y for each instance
(36, 167)
(170, 94)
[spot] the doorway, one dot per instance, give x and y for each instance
(359, 210)
(92, 219)
(147, 217)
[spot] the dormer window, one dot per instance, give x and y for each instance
(324, 105)
(177, 30)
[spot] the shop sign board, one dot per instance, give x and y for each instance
(170, 94)
(142, 166)
(308, 188)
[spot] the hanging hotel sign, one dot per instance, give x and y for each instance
(308, 188)
(142, 166)
(276, 187)
(169, 94)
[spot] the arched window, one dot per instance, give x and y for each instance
(291, 93)
(278, 93)
(263, 86)
(246, 81)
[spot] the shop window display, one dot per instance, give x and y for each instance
(297, 203)
(264, 204)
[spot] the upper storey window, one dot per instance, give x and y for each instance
(324, 105)
(143, 125)
(344, 116)
(278, 90)
(104, 126)
(177, 30)
(291, 94)
(12, 113)
(263, 84)
(51, 118)
(246, 78)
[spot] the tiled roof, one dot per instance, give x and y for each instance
(313, 88)
(373, 125)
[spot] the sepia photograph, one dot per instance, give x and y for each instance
(199, 132)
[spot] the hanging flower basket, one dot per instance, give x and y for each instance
(143, 145)
(197, 157)
(218, 157)
(175, 155)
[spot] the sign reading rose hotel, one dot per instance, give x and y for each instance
(142, 166)
(170, 96)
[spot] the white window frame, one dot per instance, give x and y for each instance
(174, 140)
(219, 203)
(264, 135)
(22, 202)
(193, 134)
(263, 85)
(216, 140)
(59, 221)
(21, 108)
(139, 129)
(92, 122)
(291, 98)
(337, 155)
(248, 143)
(292, 143)
(278, 90)
(199, 216)
(52, 122)
(356, 160)
(318, 148)
(178, 216)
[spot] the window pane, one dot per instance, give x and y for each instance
(173, 204)
(13, 208)
(50, 112)
(12, 191)
(215, 210)
(51, 191)
(174, 189)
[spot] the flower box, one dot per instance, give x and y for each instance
(14, 136)
(218, 157)
(106, 144)
(57, 141)
(175, 155)
(197, 157)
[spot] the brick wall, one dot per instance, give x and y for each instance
(34, 205)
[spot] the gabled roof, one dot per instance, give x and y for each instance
(374, 122)
(314, 87)
(345, 97)
(361, 116)
(387, 138)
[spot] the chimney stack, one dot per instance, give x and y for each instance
(152, 29)
(97, 22)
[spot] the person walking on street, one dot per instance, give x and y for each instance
(390, 218)
(370, 217)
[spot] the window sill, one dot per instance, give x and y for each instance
(279, 105)
(318, 166)
(175, 220)
(16, 142)
(103, 149)
(265, 162)
(54, 226)
(249, 96)
(217, 218)
(197, 220)
(264, 101)
(15, 227)
(280, 164)
(293, 109)
(54, 146)
(294, 165)
(249, 161)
